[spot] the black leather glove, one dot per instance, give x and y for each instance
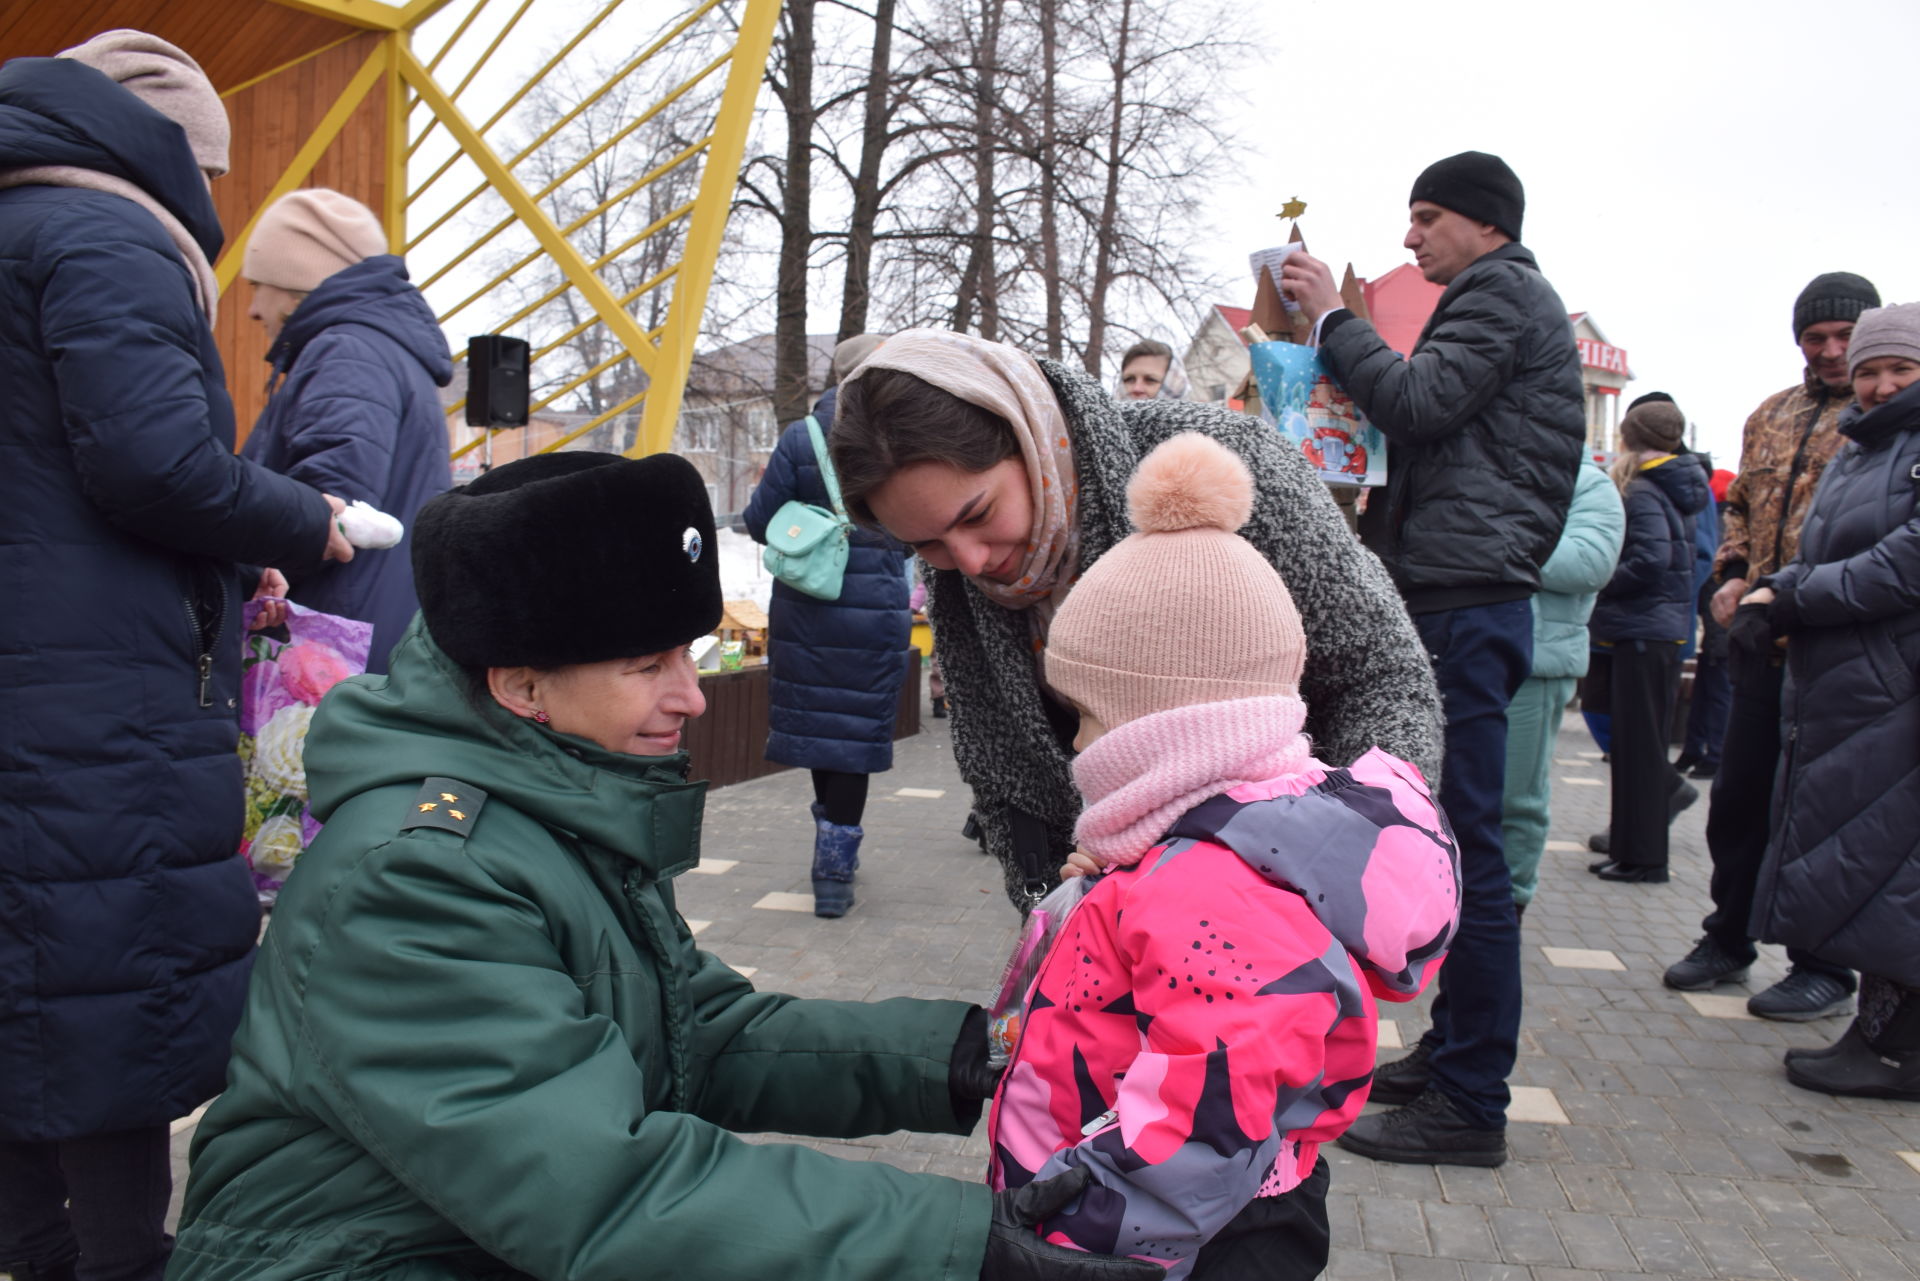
(1016, 1253)
(1751, 631)
(970, 1080)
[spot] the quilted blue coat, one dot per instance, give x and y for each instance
(356, 413)
(837, 665)
(127, 918)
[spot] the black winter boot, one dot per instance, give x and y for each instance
(1858, 1070)
(1427, 1131)
(1404, 1079)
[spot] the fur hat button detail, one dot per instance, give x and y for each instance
(565, 558)
(1185, 610)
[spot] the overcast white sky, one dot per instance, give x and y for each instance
(1689, 164)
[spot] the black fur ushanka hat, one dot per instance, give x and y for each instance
(572, 557)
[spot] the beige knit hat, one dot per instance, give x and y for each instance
(1185, 611)
(306, 236)
(1893, 330)
(166, 79)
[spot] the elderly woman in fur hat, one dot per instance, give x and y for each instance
(1007, 474)
(481, 1042)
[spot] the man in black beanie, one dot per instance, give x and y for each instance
(1487, 420)
(1787, 443)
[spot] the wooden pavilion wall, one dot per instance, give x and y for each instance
(271, 121)
(236, 41)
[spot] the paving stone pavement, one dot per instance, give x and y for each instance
(1669, 1144)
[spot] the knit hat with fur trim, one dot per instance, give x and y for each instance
(565, 558)
(306, 236)
(1885, 331)
(1837, 295)
(167, 80)
(1183, 611)
(1474, 185)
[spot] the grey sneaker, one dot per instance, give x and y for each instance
(1801, 997)
(1707, 966)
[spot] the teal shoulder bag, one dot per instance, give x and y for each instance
(807, 545)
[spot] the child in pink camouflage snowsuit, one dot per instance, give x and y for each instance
(1205, 1019)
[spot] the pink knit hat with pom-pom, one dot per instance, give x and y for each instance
(1185, 610)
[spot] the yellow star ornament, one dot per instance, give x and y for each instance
(1293, 208)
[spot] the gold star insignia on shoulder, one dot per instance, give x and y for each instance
(448, 804)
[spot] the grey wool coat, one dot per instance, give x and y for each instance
(1367, 679)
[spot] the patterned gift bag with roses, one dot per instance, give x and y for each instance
(282, 681)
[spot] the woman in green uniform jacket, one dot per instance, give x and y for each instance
(480, 1040)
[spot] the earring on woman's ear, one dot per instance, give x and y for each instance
(540, 716)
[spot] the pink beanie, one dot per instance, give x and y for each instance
(1184, 611)
(306, 236)
(167, 80)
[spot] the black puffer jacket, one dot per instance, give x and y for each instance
(127, 917)
(1650, 596)
(1842, 876)
(1487, 421)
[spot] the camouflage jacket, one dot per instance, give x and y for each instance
(1787, 443)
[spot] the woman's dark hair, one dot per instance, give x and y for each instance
(887, 419)
(1147, 347)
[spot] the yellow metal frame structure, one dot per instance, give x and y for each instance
(663, 354)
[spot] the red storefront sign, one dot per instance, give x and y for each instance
(1598, 355)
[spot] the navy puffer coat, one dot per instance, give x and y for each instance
(1650, 596)
(1842, 875)
(357, 414)
(127, 917)
(837, 665)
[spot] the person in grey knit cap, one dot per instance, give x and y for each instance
(1841, 878)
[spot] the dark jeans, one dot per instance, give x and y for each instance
(1480, 655)
(100, 1200)
(1707, 711)
(1742, 804)
(842, 797)
(1276, 1238)
(1646, 677)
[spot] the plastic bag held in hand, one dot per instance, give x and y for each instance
(1009, 1007)
(1015, 1251)
(367, 526)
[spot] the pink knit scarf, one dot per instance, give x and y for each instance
(1139, 778)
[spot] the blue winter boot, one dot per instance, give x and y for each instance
(836, 856)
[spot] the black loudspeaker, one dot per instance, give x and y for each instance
(497, 381)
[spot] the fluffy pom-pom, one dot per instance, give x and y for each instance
(1190, 482)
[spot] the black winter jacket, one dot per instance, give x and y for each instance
(1487, 421)
(837, 665)
(356, 413)
(1842, 874)
(127, 917)
(1650, 596)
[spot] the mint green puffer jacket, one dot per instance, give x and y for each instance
(490, 1046)
(1580, 566)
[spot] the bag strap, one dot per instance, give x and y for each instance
(826, 468)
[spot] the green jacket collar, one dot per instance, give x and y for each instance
(373, 731)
